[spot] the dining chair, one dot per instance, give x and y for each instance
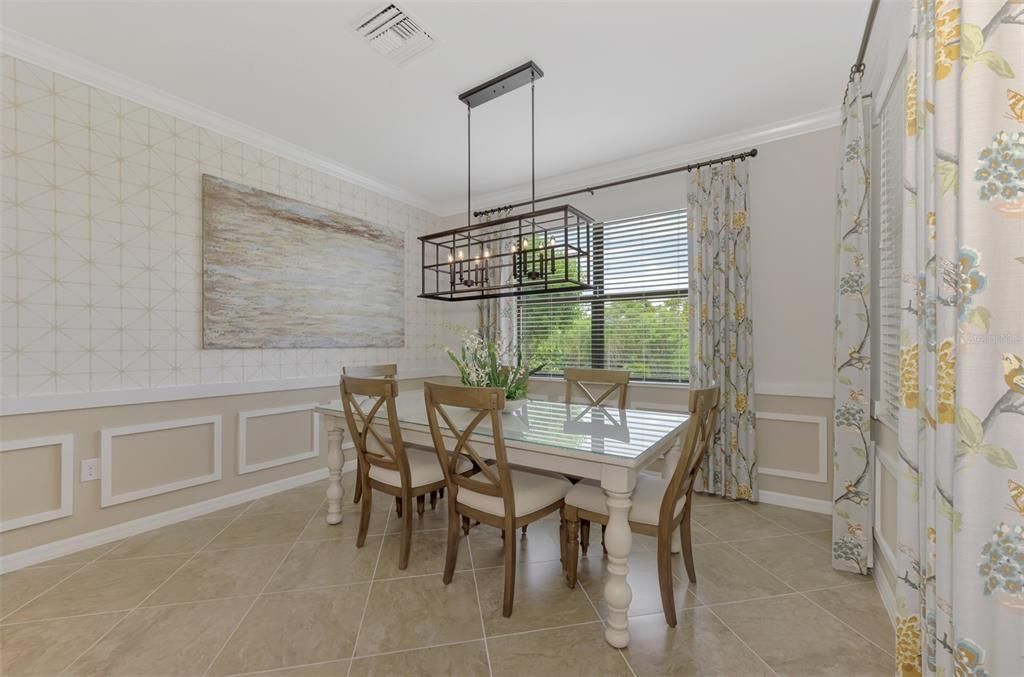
(499, 496)
(576, 379)
(659, 505)
(369, 371)
(385, 464)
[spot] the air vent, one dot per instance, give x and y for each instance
(395, 34)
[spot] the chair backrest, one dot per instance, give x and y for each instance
(373, 448)
(492, 480)
(699, 433)
(371, 371)
(615, 379)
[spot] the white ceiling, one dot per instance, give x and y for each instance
(621, 78)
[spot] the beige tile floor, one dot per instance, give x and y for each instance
(268, 588)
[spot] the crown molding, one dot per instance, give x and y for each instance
(75, 67)
(660, 159)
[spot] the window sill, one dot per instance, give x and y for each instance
(632, 384)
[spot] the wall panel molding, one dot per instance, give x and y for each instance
(244, 467)
(821, 476)
(67, 477)
(107, 435)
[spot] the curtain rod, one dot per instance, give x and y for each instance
(858, 67)
(611, 184)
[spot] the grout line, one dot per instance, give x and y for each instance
(742, 641)
(151, 593)
(284, 559)
(79, 568)
(548, 629)
(887, 652)
(476, 586)
(369, 591)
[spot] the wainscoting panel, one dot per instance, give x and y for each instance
(107, 459)
(66, 446)
(244, 464)
(821, 474)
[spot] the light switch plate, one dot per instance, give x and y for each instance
(90, 469)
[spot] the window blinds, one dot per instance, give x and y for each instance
(635, 317)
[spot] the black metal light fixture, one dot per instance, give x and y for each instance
(536, 252)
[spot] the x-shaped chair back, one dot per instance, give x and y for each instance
(699, 432)
(373, 448)
(616, 380)
(492, 480)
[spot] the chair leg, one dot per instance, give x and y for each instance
(561, 536)
(572, 550)
(585, 535)
(398, 506)
(510, 573)
(687, 546)
(403, 554)
(364, 517)
(668, 601)
(465, 525)
(421, 504)
(358, 493)
(440, 492)
(604, 527)
(453, 544)
(433, 499)
(524, 529)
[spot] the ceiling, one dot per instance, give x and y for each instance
(621, 78)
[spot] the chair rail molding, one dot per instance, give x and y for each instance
(821, 475)
(244, 467)
(107, 435)
(67, 475)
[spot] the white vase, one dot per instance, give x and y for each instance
(514, 405)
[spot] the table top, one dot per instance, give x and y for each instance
(608, 434)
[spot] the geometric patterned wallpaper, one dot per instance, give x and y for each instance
(100, 249)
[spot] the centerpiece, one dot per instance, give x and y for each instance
(484, 363)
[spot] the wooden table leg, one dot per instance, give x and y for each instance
(618, 541)
(670, 462)
(335, 461)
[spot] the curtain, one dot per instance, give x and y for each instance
(721, 331)
(852, 505)
(960, 605)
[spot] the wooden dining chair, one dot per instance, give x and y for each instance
(385, 464)
(615, 380)
(369, 371)
(659, 505)
(498, 496)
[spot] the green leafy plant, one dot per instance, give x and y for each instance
(484, 363)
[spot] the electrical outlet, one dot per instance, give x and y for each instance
(90, 469)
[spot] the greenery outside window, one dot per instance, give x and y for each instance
(635, 318)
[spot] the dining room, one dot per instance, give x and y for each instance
(355, 338)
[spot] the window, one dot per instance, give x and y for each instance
(890, 209)
(635, 317)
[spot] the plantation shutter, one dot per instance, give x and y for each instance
(635, 318)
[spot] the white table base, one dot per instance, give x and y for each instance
(335, 461)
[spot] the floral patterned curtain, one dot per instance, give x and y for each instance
(721, 332)
(960, 594)
(852, 456)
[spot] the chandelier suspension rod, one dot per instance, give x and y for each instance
(533, 148)
(469, 165)
(611, 184)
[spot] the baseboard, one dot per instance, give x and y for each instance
(885, 591)
(68, 546)
(792, 501)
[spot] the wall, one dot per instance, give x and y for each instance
(101, 310)
(792, 196)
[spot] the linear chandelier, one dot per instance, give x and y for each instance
(540, 251)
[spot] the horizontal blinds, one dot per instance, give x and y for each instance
(636, 316)
(890, 217)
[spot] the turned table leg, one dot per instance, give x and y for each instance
(335, 460)
(617, 594)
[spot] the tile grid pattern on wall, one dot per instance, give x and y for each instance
(101, 245)
(270, 586)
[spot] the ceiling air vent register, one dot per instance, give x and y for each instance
(395, 34)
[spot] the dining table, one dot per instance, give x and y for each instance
(600, 443)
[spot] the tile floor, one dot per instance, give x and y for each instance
(268, 588)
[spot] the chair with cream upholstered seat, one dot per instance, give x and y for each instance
(386, 464)
(369, 371)
(659, 505)
(498, 496)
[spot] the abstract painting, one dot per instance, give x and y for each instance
(279, 273)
